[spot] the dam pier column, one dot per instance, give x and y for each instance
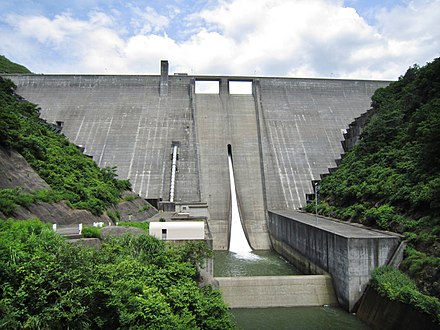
(224, 119)
(245, 143)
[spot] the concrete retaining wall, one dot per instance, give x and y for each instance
(277, 291)
(348, 253)
(381, 313)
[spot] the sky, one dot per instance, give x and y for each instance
(354, 39)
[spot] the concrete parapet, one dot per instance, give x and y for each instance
(347, 252)
(277, 291)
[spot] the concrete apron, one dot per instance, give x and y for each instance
(277, 291)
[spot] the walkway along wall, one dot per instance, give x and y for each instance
(347, 252)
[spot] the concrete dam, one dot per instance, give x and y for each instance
(173, 143)
(282, 136)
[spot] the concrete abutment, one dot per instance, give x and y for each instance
(349, 253)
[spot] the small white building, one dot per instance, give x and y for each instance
(188, 230)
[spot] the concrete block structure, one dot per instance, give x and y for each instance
(178, 230)
(277, 291)
(348, 252)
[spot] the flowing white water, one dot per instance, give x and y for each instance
(238, 242)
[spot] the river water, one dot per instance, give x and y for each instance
(307, 318)
(269, 263)
(240, 260)
(255, 263)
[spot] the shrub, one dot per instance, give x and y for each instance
(392, 283)
(130, 198)
(114, 215)
(8, 200)
(144, 208)
(91, 232)
(382, 215)
(130, 283)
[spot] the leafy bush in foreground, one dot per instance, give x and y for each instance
(130, 283)
(91, 232)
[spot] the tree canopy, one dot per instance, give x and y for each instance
(129, 283)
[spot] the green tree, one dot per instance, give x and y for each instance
(130, 283)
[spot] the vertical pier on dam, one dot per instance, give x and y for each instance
(224, 120)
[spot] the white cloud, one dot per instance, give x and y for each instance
(238, 37)
(147, 20)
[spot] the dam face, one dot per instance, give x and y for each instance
(282, 136)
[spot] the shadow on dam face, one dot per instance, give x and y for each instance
(284, 135)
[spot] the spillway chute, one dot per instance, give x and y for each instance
(238, 242)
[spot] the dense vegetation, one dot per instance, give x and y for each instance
(71, 175)
(395, 285)
(391, 179)
(6, 66)
(129, 283)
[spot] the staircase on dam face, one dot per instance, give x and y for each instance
(302, 122)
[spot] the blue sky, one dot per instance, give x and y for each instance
(302, 38)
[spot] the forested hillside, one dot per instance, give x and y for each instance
(71, 175)
(7, 66)
(391, 179)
